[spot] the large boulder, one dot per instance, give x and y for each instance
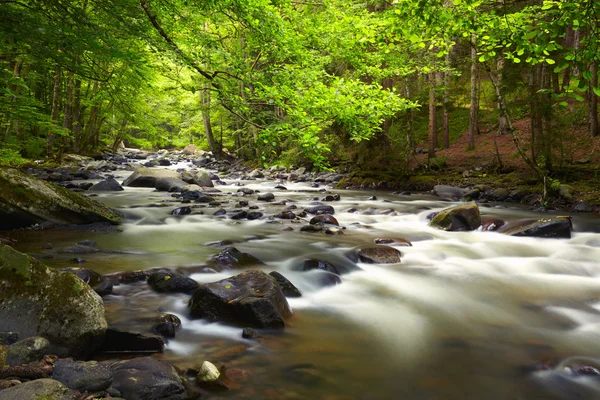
(202, 178)
(169, 184)
(146, 177)
(464, 217)
(108, 185)
(84, 376)
(557, 227)
(251, 298)
(26, 200)
(39, 389)
(36, 300)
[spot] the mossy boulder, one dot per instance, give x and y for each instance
(147, 177)
(26, 200)
(464, 217)
(40, 389)
(3, 356)
(36, 300)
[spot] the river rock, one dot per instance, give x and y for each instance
(251, 298)
(108, 185)
(287, 287)
(557, 227)
(266, 196)
(208, 372)
(146, 378)
(583, 206)
(99, 283)
(170, 185)
(202, 178)
(181, 211)
(320, 209)
(189, 150)
(395, 241)
(27, 350)
(492, 224)
(26, 200)
(250, 333)
(232, 258)
(3, 356)
(171, 282)
(146, 177)
(285, 215)
(464, 217)
(167, 325)
(379, 255)
(448, 192)
(36, 300)
(9, 338)
(84, 376)
(324, 219)
(118, 341)
(41, 389)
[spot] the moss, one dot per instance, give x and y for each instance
(3, 355)
(15, 262)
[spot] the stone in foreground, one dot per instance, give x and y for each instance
(26, 200)
(464, 217)
(251, 298)
(558, 227)
(38, 389)
(379, 255)
(36, 300)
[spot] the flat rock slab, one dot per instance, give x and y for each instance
(118, 341)
(84, 376)
(26, 200)
(251, 298)
(557, 227)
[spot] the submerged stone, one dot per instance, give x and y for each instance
(379, 255)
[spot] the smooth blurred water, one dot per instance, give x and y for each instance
(462, 316)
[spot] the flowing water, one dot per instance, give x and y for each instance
(463, 316)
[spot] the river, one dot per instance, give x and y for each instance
(464, 315)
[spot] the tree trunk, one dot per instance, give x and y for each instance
(535, 111)
(593, 101)
(433, 139)
(77, 116)
(474, 109)
(411, 119)
(446, 115)
(55, 109)
(569, 37)
(205, 101)
(502, 124)
(67, 113)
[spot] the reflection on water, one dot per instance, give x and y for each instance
(463, 316)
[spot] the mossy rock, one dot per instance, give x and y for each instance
(147, 177)
(26, 200)
(3, 356)
(464, 217)
(36, 300)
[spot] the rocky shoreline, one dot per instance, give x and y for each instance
(55, 350)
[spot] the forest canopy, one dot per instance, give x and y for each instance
(310, 82)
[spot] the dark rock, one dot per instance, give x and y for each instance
(582, 206)
(448, 192)
(280, 187)
(109, 185)
(132, 276)
(266, 197)
(84, 376)
(252, 215)
(27, 350)
(379, 255)
(118, 341)
(79, 249)
(251, 298)
(99, 283)
(171, 282)
(147, 378)
(464, 217)
(320, 209)
(396, 241)
(313, 264)
(242, 203)
(89, 243)
(167, 325)
(492, 224)
(557, 227)
(311, 228)
(372, 198)
(163, 162)
(26, 200)
(181, 211)
(7, 338)
(328, 198)
(247, 191)
(240, 215)
(38, 389)
(36, 300)
(285, 215)
(249, 333)
(232, 258)
(287, 287)
(220, 212)
(324, 219)
(196, 195)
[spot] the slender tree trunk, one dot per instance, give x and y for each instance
(547, 128)
(77, 116)
(55, 109)
(433, 139)
(67, 113)
(446, 115)
(411, 120)
(502, 125)
(15, 89)
(504, 110)
(593, 101)
(569, 37)
(205, 101)
(474, 109)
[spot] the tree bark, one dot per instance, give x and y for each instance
(502, 125)
(55, 109)
(433, 139)
(474, 108)
(593, 101)
(446, 115)
(205, 101)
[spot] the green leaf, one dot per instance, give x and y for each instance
(550, 61)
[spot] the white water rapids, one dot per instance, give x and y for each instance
(462, 316)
